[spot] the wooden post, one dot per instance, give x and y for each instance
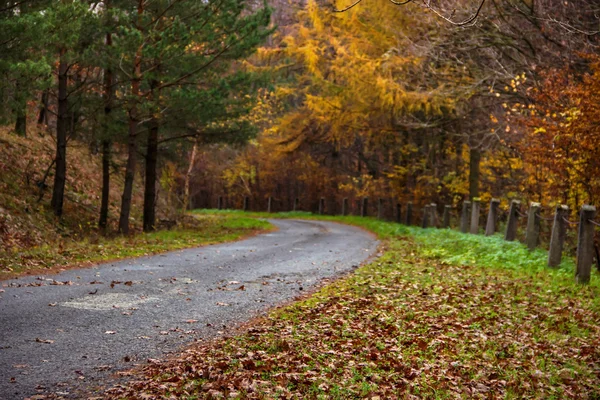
(345, 206)
(490, 227)
(246, 203)
(296, 204)
(409, 209)
(220, 203)
(585, 244)
(532, 237)
(321, 206)
(364, 211)
(433, 214)
(475, 213)
(447, 211)
(559, 233)
(380, 205)
(399, 213)
(426, 217)
(270, 204)
(513, 219)
(464, 216)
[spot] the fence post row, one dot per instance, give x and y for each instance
(490, 226)
(532, 233)
(475, 212)
(345, 206)
(398, 213)
(380, 204)
(447, 210)
(464, 216)
(296, 203)
(270, 204)
(246, 203)
(220, 203)
(321, 205)
(513, 217)
(559, 234)
(585, 244)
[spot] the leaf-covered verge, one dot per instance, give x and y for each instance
(439, 315)
(201, 230)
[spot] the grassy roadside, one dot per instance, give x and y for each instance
(439, 315)
(201, 230)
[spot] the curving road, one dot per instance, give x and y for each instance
(72, 331)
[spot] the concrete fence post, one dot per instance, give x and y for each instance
(246, 203)
(409, 210)
(345, 206)
(585, 244)
(433, 213)
(465, 216)
(270, 204)
(220, 203)
(364, 210)
(532, 236)
(490, 226)
(447, 211)
(399, 213)
(426, 216)
(321, 205)
(559, 234)
(513, 219)
(475, 213)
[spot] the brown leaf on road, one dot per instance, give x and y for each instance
(47, 341)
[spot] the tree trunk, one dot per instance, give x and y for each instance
(43, 116)
(108, 93)
(188, 176)
(151, 175)
(103, 221)
(474, 163)
(132, 141)
(129, 173)
(60, 174)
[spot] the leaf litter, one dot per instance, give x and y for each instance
(405, 326)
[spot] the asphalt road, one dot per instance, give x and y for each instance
(73, 331)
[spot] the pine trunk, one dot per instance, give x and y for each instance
(106, 143)
(129, 173)
(127, 196)
(103, 221)
(60, 174)
(151, 175)
(43, 116)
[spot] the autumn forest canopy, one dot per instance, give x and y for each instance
(178, 102)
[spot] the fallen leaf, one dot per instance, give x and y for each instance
(47, 341)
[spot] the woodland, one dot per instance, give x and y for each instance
(168, 105)
(117, 117)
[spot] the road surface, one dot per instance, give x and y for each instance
(71, 332)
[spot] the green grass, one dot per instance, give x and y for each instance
(440, 315)
(205, 229)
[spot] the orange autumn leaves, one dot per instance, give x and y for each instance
(560, 144)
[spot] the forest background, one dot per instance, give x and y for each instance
(118, 114)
